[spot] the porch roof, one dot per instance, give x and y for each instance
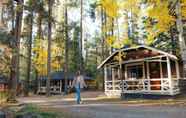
(135, 48)
(3, 80)
(61, 76)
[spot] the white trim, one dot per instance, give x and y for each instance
(134, 64)
(105, 76)
(161, 70)
(169, 75)
(141, 88)
(143, 70)
(106, 60)
(137, 47)
(177, 69)
(135, 61)
(162, 52)
(161, 74)
(158, 60)
(113, 78)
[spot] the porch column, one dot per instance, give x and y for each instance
(169, 75)
(105, 77)
(161, 71)
(113, 79)
(126, 72)
(161, 75)
(119, 73)
(148, 75)
(60, 84)
(177, 69)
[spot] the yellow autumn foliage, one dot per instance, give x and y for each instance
(156, 13)
(40, 57)
(159, 12)
(132, 6)
(111, 7)
(183, 8)
(120, 56)
(110, 40)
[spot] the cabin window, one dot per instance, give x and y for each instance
(135, 72)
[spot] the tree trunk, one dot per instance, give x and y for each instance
(26, 92)
(36, 82)
(39, 25)
(181, 38)
(49, 47)
(81, 37)
(66, 48)
(103, 21)
(14, 76)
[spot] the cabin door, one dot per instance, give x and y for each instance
(134, 71)
(154, 72)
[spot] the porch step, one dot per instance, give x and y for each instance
(113, 93)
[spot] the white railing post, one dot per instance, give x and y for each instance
(105, 77)
(113, 79)
(177, 69)
(61, 85)
(161, 76)
(169, 75)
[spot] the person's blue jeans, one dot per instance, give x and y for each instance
(78, 94)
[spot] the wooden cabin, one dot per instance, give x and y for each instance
(57, 82)
(142, 70)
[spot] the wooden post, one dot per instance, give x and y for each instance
(60, 84)
(148, 75)
(105, 77)
(177, 69)
(161, 75)
(126, 72)
(161, 70)
(169, 75)
(113, 79)
(119, 73)
(143, 70)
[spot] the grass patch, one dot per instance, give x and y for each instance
(36, 112)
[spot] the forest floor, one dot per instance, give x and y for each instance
(96, 105)
(96, 97)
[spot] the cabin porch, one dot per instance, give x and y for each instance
(56, 86)
(153, 75)
(142, 70)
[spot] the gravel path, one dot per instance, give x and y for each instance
(123, 111)
(101, 109)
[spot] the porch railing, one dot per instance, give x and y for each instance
(53, 89)
(157, 85)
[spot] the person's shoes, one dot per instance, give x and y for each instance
(81, 102)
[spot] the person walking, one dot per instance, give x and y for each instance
(79, 84)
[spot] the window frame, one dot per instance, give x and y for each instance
(135, 64)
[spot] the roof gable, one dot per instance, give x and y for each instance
(136, 48)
